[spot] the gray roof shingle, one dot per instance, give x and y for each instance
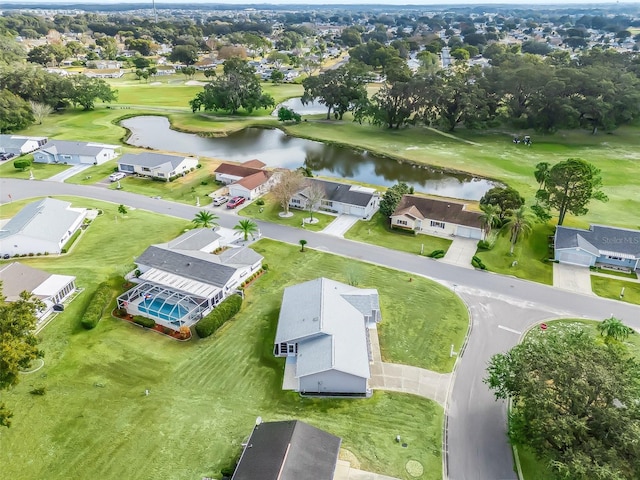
(288, 450)
(600, 238)
(63, 147)
(439, 210)
(151, 160)
(342, 192)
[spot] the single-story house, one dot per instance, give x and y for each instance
(179, 282)
(599, 245)
(156, 164)
(49, 288)
(165, 70)
(323, 331)
(340, 198)
(43, 226)
(248, 180)
(437, 217)
(74, 153)
(228, 173)
(19, 145)
(103, 72)
(288, 450)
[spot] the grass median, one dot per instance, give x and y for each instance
(269, 212)
(610, 288)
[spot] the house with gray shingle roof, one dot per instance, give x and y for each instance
(323, 333)
(181, 281)
(599, 245)
(437, 217)
(19, 145)
(339, 198)
(157, 165)
(41, 226)
(75, 153)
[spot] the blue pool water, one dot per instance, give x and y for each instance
(164, 311)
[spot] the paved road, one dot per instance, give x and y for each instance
(500, 308)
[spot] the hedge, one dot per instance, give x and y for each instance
(99, 301)
(220, 314)
(144, 321)
(22, 164)
(72, 239)
(476, 262)
(436, 254)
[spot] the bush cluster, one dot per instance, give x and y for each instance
(99, 301)
(259, 202)
(436, 254)
(220, 314)
(72, 239)
(251, 279)
(477, 263)
(144, 321)
(22, 164)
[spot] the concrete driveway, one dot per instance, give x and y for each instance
(572, 278)
(68, 173)
(461, 251)
(340, 225)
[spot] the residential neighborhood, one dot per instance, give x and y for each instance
(319, 242)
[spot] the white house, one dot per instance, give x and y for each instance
(156, 164)
(181, 281)
(437, 217)
(41, 226)
(228, 173)
(323, 333)
(49, 288)
(103, 72)
(610, 247)
(19, 145)
(340, 198)
(74, 153)
(252, 186)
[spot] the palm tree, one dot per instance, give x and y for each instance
(613, 329)
(490, 217)
(205, 219)
(302, 244)
(246, 227)
(519, 224)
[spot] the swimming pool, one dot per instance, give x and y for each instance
(164, 311)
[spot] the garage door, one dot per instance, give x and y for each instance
(575, 258)
(468, 232)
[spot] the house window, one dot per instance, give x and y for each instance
(327, 203)
(296, 201)
(292, 348)
(401, 222)
(612, 257)
(65, 157)
(146, 169)
(437, 224)
(160, 174)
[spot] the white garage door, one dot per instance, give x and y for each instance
(468, 232)
(575, 258)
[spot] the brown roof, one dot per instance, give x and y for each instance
(255, 180)
(439, 210)
(236, 170)
(17, 278)
(255, 163)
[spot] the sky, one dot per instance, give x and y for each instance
(341, 2)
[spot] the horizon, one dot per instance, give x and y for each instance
(417, 3)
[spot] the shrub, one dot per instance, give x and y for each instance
(99, 301)
(72, 239)
(199, 165)
(121, 312)
(204, 182)
(38, 391)
(220, 314)
(477, 263)
(260, 202)
(265, 267)
(22, 164)
(31, 254)
(484, 245)
(436, 254)
(144, 321)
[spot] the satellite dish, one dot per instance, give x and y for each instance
(258, 421)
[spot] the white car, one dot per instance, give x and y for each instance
(114, 177)
(220, 200)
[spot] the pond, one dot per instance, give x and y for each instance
(277, 149)
(295, 104)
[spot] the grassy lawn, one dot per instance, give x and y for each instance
(610, 288)
(376, 231)
(96, 421)
(616, 273)
(272, 208)
(40, 170)
(534, 468)
(530, 254)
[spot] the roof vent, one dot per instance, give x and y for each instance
(315, 319)
(188, 264)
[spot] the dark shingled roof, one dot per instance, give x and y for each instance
(600, 238)
(289, 450)
(439, 210)
(186, 266)
(342, 192)
(236, 170)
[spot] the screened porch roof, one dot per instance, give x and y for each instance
(178, 282)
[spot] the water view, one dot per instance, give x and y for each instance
(277, 149)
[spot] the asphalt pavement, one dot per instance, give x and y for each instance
(501, 308)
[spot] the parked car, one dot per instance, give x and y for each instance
(220, 200)
(114, 177)
(235, 201)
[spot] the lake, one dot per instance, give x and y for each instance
(277, 149)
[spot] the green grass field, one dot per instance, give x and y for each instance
(272, 208)
(534, 468)
(40, 170)
(610, 288)
(96, 421)
(530, 254)
(377, 232)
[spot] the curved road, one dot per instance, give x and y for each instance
(501, 309)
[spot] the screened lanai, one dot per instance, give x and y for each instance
(167, 306)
